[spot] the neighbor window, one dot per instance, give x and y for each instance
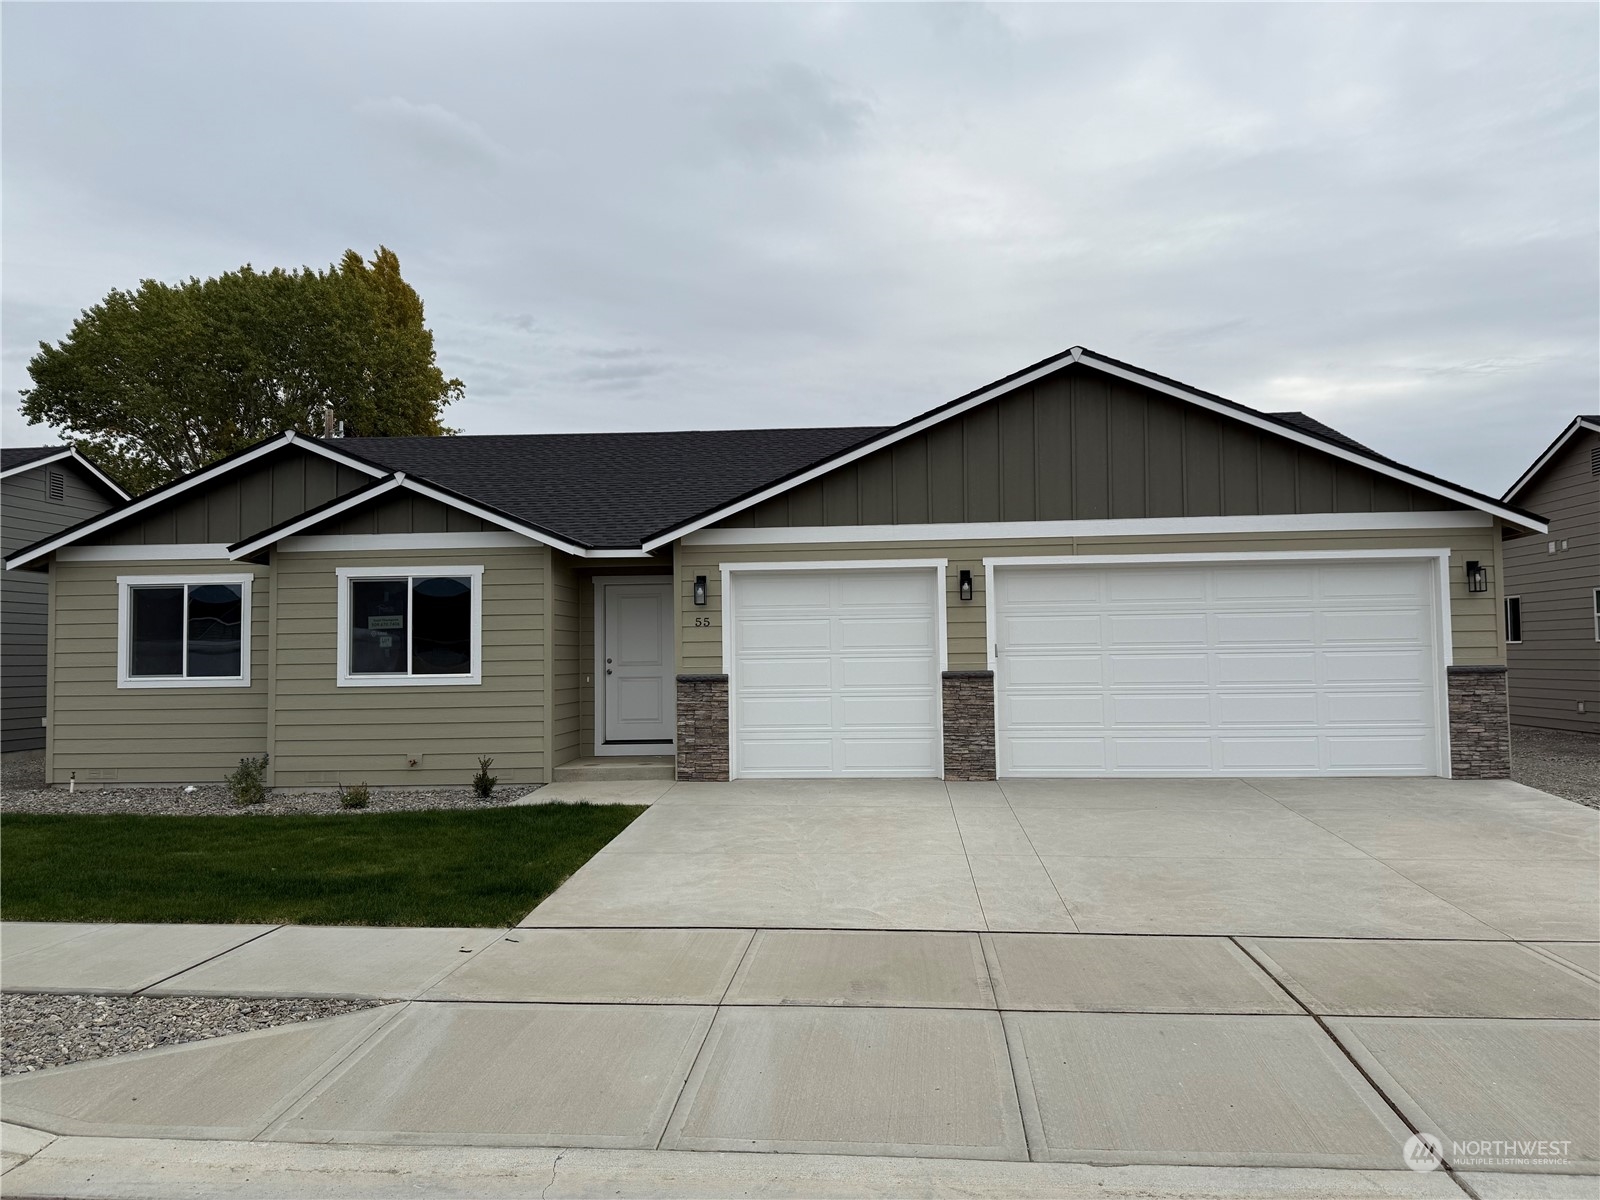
(412, 625)
(1597, 614)
(1513, 618)
(191, 632)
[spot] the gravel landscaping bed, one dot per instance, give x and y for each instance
(1557, 761)
(52, 1031)
(24, 792)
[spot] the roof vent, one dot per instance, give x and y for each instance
(57, 487)
(1594, 461)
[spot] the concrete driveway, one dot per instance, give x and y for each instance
(1136, 988)
(1422, 858)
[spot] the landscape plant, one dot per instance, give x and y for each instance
(248, 783)
(483, 782)
(357, 795)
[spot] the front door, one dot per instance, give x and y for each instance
(636, 680)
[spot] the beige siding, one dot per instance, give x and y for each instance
(103, 733)
(1080, 446)
(1474, 619)
(1557, 665)
(327, 734)
(566, 673)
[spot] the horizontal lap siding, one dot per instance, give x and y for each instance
(102, 733)
(1474, 619)
(325, 734)
(565, 718)
(1557, 665)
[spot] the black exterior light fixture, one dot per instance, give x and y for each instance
(700, 591)
(1477, 577)
(965, 585)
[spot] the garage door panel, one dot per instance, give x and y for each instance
(1297, 669)
(1024, 710)
(835, 672)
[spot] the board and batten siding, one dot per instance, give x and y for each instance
(1079, 446)
(1557, 664)
(27, 514)
(1475, 620)
(101, 733)
(324, 734)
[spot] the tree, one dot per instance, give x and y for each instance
(157, 382)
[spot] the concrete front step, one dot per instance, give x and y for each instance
(633, 767)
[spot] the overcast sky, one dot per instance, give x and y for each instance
(678, 216)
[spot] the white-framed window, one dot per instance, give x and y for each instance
(410, 626)
(1513, 619)
(183, 631)
(1597, 614)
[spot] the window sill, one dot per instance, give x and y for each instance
(138, 684)
(409, 681)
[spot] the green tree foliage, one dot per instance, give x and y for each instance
(159, 381)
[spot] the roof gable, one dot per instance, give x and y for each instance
(14, 460)
(1579, 425)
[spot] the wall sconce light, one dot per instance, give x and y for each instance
(700, 590)
(1477, 577)
(966, 585)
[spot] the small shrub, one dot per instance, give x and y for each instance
(483, 782)
(247, 783)
(356, 796)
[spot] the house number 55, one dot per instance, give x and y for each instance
(702, 622)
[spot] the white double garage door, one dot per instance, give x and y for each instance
(1305, 667)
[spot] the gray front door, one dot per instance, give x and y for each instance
(637, 667)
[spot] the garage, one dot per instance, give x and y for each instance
(1312, 667)
(835, 672)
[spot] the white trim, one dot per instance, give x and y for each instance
(1121, 527)
(1554, 448)
(1597, 614)
(204, 475)
(602, 748)
(177, 552)
(1438, 557)
(1505, 608)
(125, 679)
(355, 542)
(408, 572)
(492, 517)
(941, 633)
(316, 516)
(1079, 355)
(72, 453)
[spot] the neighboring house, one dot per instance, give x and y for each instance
(1552, 587)
(1082, 569)
(43, 490)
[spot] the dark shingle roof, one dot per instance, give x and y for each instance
(1327, 433)
(607, 490)
(21, 456)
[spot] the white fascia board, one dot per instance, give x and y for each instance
(38, 462)
(494, 518)
(205, 475)
(827, 564)
(888, 439)
(1079, 355)
(177, 552)
(1239, 556)
(1562, 439)
(317, 516)
(1123, 527)
(72, 453)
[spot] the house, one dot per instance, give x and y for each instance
(1552, 587)
(1081, 569)
(43, 490)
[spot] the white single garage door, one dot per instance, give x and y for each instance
(834, 673)
(1310, 668)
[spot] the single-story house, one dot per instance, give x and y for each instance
(1082, 569)
(43, 490)
(1552, 588)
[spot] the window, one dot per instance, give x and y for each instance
(1597, 614)
(183, 632)
(410, 625)
(1513, 618)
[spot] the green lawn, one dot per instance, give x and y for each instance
(411, 868)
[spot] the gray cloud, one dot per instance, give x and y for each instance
(683, 215)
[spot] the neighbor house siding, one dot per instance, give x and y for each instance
(101, 733)
(1078, 446)
(1474, 620)
(326, 734)
(566, 678)
(1557, 666)
(254, 497)
(27, 514)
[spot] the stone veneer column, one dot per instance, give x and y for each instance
(968, 724)
(703, 728)
(1480, 723)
